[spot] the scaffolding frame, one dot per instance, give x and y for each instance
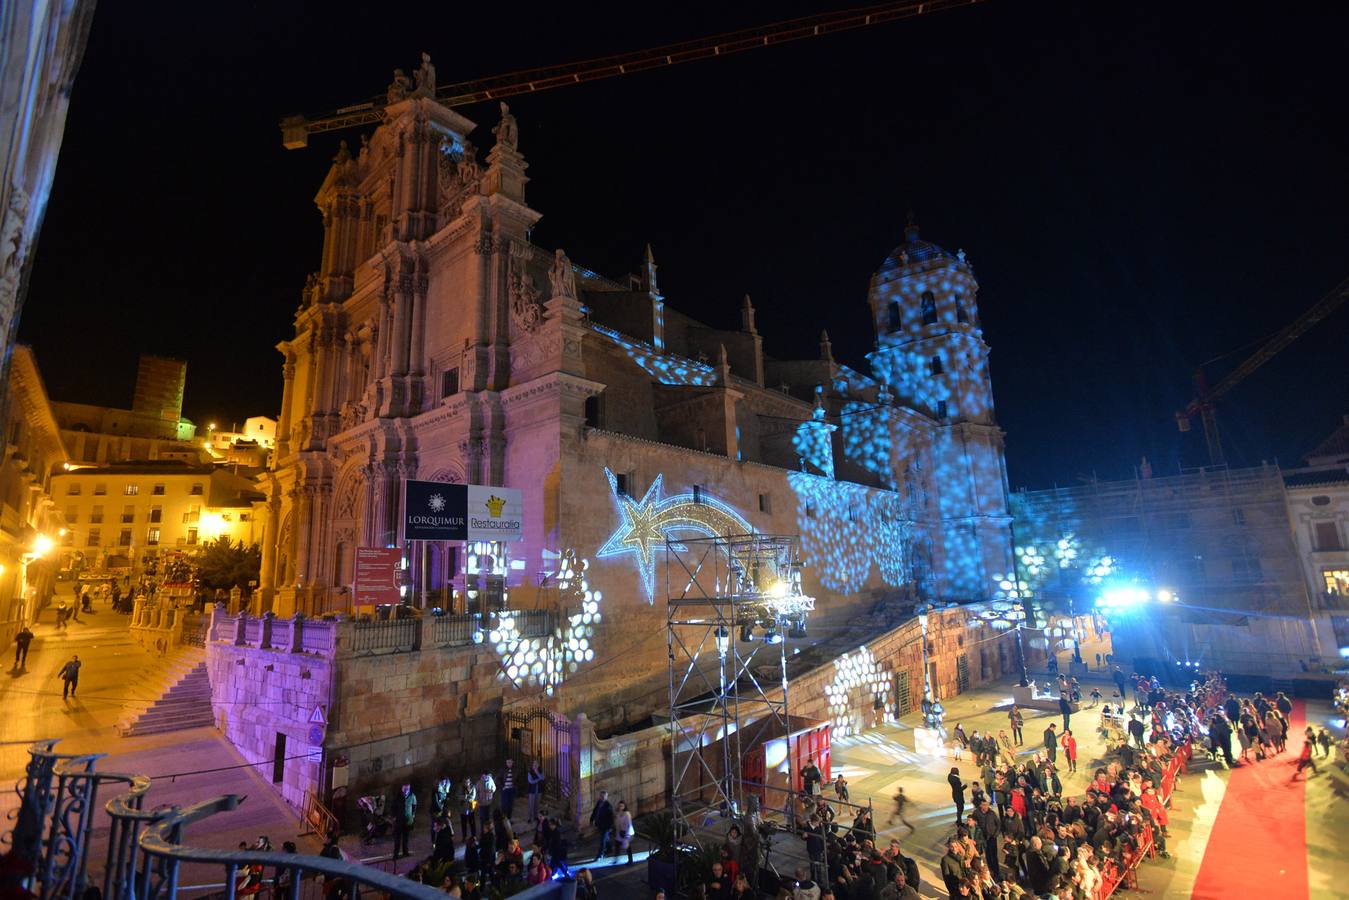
(722, 679)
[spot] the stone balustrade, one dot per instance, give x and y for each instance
(343, 637)
(157, 626)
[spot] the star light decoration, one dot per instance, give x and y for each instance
(648, 523)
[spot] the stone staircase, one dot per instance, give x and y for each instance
(178, 696)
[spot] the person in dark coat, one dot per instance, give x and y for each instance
(21, 642)
(404, 814)
(443, 844)
(953, 868)
(602, 819)
(991, 827)
(957, 792)
(1052, 743)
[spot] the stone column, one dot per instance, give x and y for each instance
(267, 571)
(287, 399)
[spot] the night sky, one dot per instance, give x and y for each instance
(1140, 188)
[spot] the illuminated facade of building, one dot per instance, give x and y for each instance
(119, 515)
(436, 342)
(30, 523)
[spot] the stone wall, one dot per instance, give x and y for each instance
(259, 693)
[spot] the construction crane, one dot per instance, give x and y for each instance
(296, 129)
(1206, 397)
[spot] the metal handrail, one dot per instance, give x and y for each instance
(164, 855)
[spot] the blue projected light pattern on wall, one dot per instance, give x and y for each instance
(664, 367)
(648, 523)
(846, 529)
(813, 445)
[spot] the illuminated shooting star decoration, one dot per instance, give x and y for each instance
(647, 524)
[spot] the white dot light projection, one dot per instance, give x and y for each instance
(855, 674)
(546, 661)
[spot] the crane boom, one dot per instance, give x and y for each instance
(1206, 397)
(295, 130)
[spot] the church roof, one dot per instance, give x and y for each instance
(913, 252)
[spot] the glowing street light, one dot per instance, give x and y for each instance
(42, 545)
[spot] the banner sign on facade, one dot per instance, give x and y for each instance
(377, 571)
(437, 511)
(495, 513)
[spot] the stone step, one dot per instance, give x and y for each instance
(184, 702)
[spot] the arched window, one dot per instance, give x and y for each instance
(892, 311)
(929, 308)
(960, 313)
(934, 366)
(340, 564)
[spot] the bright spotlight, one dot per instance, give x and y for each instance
(42, 545)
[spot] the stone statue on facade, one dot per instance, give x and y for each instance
(561, 277)
(400, 87)
(526, 308)
(426, 77)
(506, 131)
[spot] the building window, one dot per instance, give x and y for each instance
(192, 537)
(124, 539)
(623, 484)
(1238, 516)
(893, 316)
(697, 493)
(193, 515)
(131, 490)
(594, 412)
(765, 504)
(1320, 500)
(96, 517)
(196, 489)
(72, 515)
(152, 537)
(1327, 536)
(929, 308)
(1337, 581)
(934, 366)
(100, 490)
(960, 313)
(72, 490)
(95, 538)
(244, 517)
(156, 514)
(157, 490)
(941, 409)
(128, 514)
(449, 382)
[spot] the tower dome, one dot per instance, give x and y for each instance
(913, 251)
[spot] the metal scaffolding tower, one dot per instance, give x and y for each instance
(730, 602)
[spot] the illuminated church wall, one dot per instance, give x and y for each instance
(435, 341)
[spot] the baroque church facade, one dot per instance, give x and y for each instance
(436, 342)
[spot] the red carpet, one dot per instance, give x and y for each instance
(1258, 846)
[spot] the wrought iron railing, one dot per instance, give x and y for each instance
(456, 631)
(393, 636)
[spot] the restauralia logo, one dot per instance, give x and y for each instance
(494, 506)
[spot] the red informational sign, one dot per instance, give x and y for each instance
(377, 571)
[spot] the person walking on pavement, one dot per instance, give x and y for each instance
(534, 779)
(21, 642)
(957, 792)
(1015, 719)
(508, 790)
(70, 674)
(487, 788)
(1051, 743)
(602, 819)
(901, 801)
(405, 813)
(1069, 749)
(466, 798)
(1065, 708)
(61, 612)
